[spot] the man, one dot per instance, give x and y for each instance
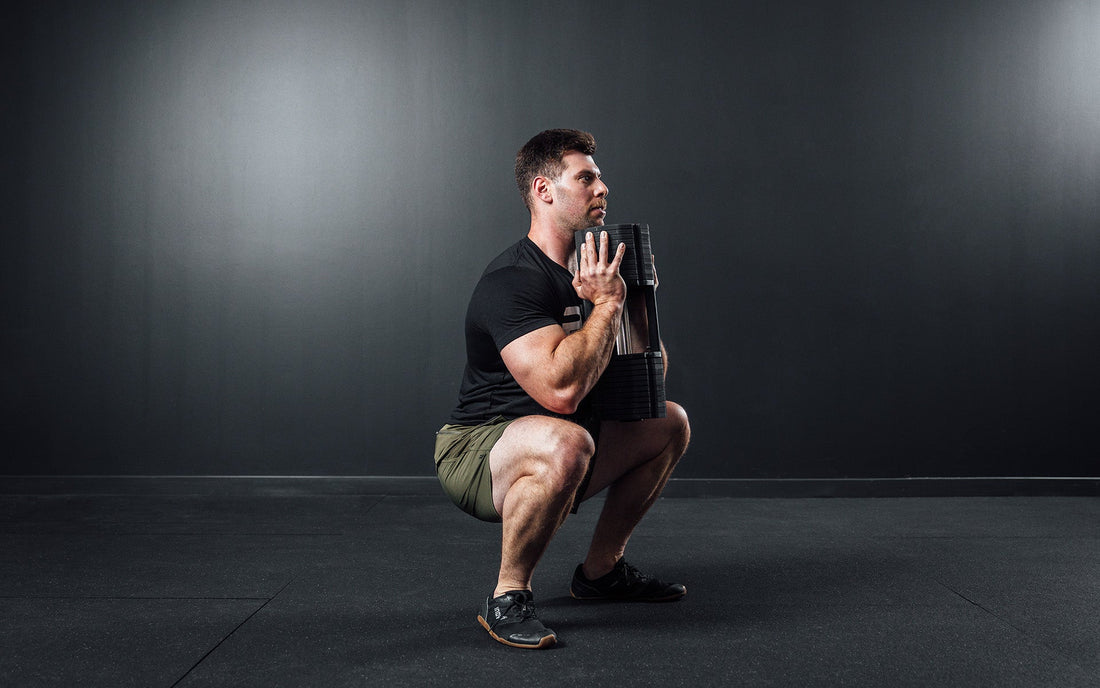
(521, 447)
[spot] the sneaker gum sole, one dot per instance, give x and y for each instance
(543, 644)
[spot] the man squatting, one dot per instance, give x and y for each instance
(522, 447)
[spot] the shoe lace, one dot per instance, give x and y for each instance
(632, 574)
(523, 609)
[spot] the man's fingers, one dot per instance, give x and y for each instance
(593, 258)
(619, 253)
(587, 254)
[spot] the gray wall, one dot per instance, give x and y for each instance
(239, 236)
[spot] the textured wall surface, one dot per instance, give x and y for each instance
(238, 237)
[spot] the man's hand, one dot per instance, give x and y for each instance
(598, 280)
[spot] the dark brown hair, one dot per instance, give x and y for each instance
(541, 156)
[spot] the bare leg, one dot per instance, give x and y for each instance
(634, 462)
(537, 466)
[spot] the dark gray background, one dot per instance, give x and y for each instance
(239, 236)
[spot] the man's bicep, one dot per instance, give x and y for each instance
(528, 357)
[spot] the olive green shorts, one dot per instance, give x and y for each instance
(462, 464)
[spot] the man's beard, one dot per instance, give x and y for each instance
(590, 221)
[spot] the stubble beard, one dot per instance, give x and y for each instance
(584, 222)
(589, 221)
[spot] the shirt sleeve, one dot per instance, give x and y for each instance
(513, 301)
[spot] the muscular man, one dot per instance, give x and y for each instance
(522, 447)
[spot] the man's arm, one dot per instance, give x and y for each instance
(559, 370)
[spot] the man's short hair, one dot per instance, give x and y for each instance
(541, 156)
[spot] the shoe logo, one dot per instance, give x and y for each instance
(496, 613)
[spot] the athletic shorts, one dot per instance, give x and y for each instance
(462, 464)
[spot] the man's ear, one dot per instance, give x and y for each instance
(540, 189)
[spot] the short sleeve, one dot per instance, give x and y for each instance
(513, 301)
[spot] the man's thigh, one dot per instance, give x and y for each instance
(528, 440)
(623, 446)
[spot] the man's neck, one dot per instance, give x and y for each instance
(555, 242)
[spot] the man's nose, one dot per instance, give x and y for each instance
(602, 189)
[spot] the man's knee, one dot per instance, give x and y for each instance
(565, 456)
(679, 427)
(553, 451)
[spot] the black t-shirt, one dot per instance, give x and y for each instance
(521, 291)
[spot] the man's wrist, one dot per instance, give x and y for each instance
(612, 310)
(616, 302)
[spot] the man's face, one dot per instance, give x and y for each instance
(580, 196)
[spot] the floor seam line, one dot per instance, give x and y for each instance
(231, 633)
(375, 503)
(1034, 638)
(985, 609)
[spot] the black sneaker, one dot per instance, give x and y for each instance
(511, 620)
(624, 584)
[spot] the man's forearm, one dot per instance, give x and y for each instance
(581, 358)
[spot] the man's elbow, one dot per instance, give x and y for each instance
(563, 401)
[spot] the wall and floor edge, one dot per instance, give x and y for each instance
(252, 485)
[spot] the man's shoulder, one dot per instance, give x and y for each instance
(518, 255)
(511, 279)
(516, 277)
(518, 267)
